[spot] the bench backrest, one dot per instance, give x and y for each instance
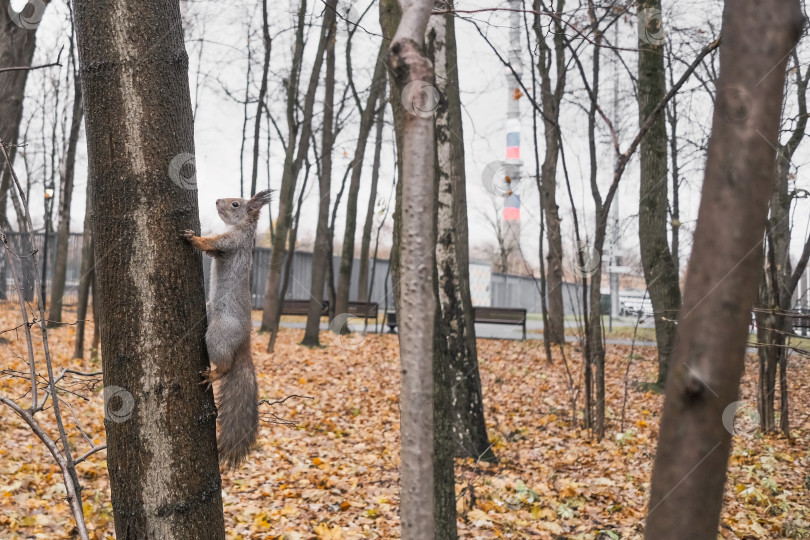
(300, 307)
(517, 315)
(800, 320)
(363, 309)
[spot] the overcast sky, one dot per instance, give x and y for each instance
(216, 38)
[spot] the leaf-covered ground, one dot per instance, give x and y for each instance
(335, 474)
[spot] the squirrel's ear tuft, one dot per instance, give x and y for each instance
(260, 199)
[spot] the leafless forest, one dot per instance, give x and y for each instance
(518, 269)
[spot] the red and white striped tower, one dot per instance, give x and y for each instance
(511, 206)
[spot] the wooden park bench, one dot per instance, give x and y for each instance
(301, 307)
(486, 315)
(499, 315)
(365, 311)
(800, 321)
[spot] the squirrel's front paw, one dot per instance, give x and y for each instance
(188, 234)
(209, 376)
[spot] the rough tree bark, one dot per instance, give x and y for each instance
(552, 98)
(366, 121)
(417, 303)
(660, 273)
(365, 243)
(321, 253)
(160, 422)
(455, 350)
(65, 198)
(703, 384)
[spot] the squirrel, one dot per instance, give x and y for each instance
(229, 324)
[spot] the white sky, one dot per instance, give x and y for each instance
(223, 29)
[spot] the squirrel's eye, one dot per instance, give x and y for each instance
(235, 204)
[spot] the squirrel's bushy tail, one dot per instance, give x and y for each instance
(238, 409)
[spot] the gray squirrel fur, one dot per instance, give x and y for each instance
(229, 325)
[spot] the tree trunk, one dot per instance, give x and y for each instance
(160, 422)
(65, 198)
(16, 50)
(293, 161)
(365, 244)
(290, 251)
(390, 15)
(457, 353)
(85, 273)
(552, 98)
(660, 273)
(417, 303)
(694, 444)
(321, 253)
(366, 121)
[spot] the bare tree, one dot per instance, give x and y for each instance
(296, 151)
(703, 384)
(551, 63)
(417, 302)
(66, 174)
(366, 122)
(17, 44)
(63, 456)
(321, 255)
(455, 360)
(267, 42)
(660, 272)
(365, 243)
(162, 458)
(780, 278)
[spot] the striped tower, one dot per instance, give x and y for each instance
(511, 206)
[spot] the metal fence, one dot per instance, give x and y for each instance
(509, 290)
(19, 244)
(301, 278)
(506, 290)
